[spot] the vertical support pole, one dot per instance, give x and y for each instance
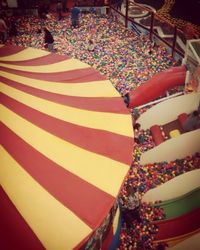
(151, 28)
(174, 40)
(108, 9)
(187, 79)
(186, 54)
(126, 16)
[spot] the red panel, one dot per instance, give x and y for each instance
(9, 50)
(182, 118)
(179, 226)
(43, 60)
(72, 76)
(157, 86)
(157, 134)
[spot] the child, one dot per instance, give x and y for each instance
(59, 9)
(90, 45)
(75, 12)
(48, 39)
(130, 208)
(136, 133)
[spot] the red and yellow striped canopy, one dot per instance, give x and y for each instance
(67, 144)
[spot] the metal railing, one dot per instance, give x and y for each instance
(155, 25)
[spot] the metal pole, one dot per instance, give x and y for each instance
(151, 28)
(108, 10)
(126, 18)
(160, 100)
(174, 40)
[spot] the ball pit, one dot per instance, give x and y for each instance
(125, 60)
(119, 53)
(145, 178)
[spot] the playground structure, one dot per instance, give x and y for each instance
(165, 120)
(157, 86)
(16, 65)
(179, 197)
(166, 112)
(171, 112)
(187, 75)
(181, 207)
(49, 195)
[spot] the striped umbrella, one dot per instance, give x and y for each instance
(67, 144)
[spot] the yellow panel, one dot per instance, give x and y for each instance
(174, 133)
(116, 123)
(116, 221)
(26, 54)
(71, 64)
(102, 172)
(55, 225)
(91, 89)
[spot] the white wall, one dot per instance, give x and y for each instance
(183, 184)
(175, 148)
(169, 110)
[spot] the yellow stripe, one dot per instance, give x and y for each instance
(116, 221)
(71, 64)
(55, 225)
(102, 172)
(116, 123)
(90, 89)
(26, 54)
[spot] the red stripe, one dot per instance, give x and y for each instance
(43, 60)
(184, 224)
(88, 202)
(15, 233)
(71, 76)
(111, 145)
(10, 50)
(100, 104)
